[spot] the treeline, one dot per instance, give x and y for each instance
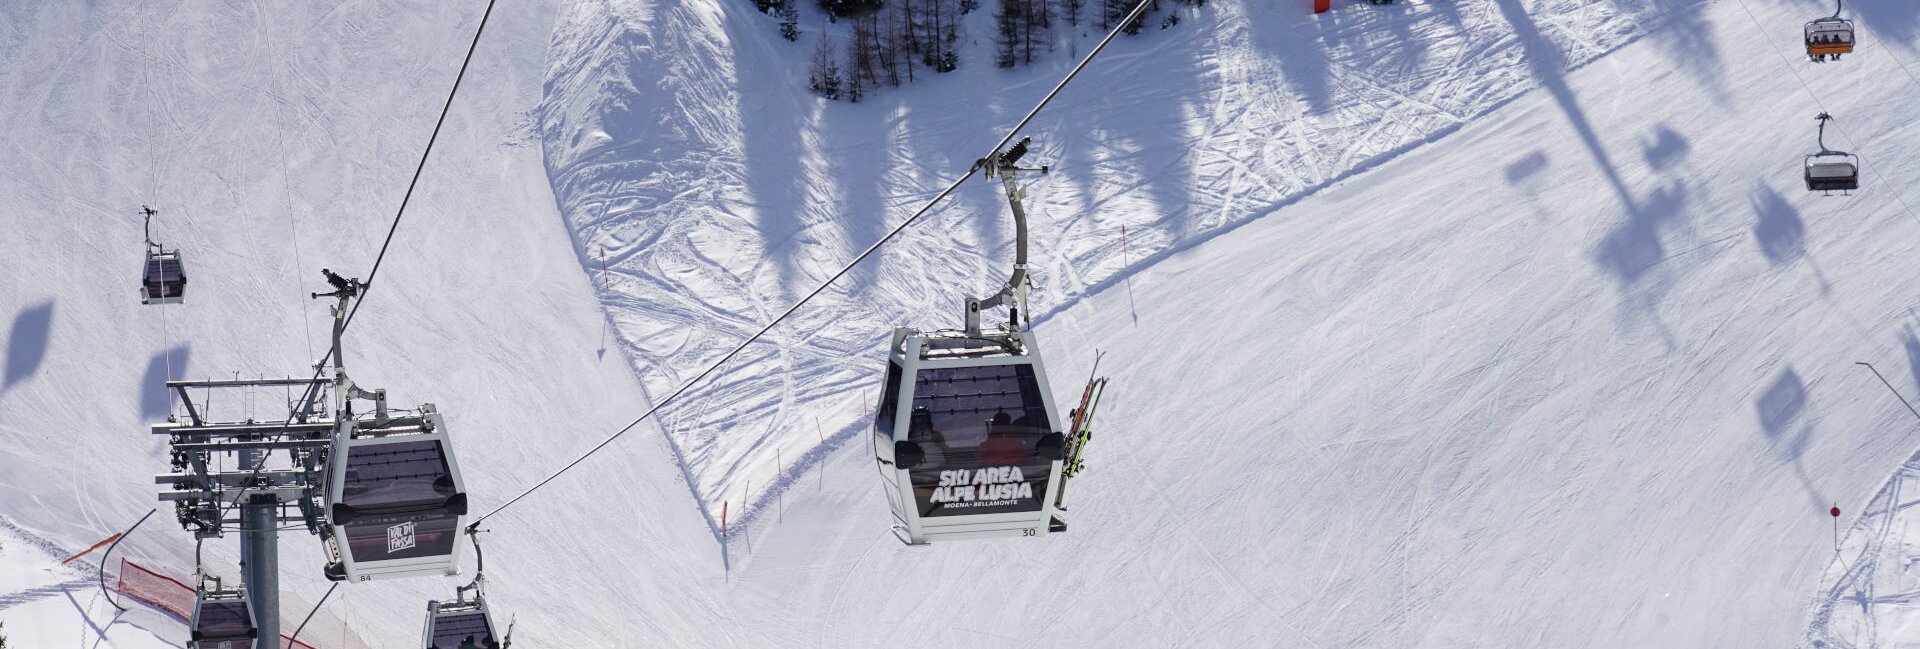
(891, 42)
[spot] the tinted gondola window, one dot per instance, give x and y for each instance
(165, 278)
(885, 415)
(398, 494)
(224, 619)
(979, 427)
(454, 630)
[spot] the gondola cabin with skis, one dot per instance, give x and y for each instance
(968, 439)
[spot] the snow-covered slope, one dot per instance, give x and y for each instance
(1572, 368)
(277, 140)
(688, 158)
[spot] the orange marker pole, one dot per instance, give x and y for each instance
(96, 546)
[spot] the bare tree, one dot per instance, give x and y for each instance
(1070, 10)
(863, 58)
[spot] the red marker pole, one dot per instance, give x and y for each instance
(1836, 526)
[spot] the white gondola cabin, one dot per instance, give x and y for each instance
(460, 623)
(395, 502)
(222, 619)
(968, 438)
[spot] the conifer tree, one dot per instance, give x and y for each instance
(824, 76)
(790, 20)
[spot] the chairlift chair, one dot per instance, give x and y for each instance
(222, 619)
(451, 624)
(1829, 37)
(164, 278)
(395, 503)
(1830, 171)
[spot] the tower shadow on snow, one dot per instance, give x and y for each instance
(156, 401)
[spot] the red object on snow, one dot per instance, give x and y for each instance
(1322, 6)
(1835, 511)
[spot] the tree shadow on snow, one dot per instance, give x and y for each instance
(1633, 248)
(1681, 30)
(1302, 50)
(27, 343)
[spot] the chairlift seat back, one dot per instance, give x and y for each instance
(1832, 174)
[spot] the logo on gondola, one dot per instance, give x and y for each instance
(989, 487)
(400, 537)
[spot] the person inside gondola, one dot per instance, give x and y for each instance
(1003, 445)
(469, 643)
(920, 431)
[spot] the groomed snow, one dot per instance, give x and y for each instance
(1576, 372)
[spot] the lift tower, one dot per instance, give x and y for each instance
(263, 491)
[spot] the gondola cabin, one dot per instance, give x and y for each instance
(1832, 171)
(968, 438)
(222, 619)
(395, 503)
(165, 279)
(463, 623)
(1829, 38)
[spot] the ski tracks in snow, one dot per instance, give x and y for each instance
(721, 191)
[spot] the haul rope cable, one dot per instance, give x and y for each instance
(319, 366)
(1132, 16)
(309, 618)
